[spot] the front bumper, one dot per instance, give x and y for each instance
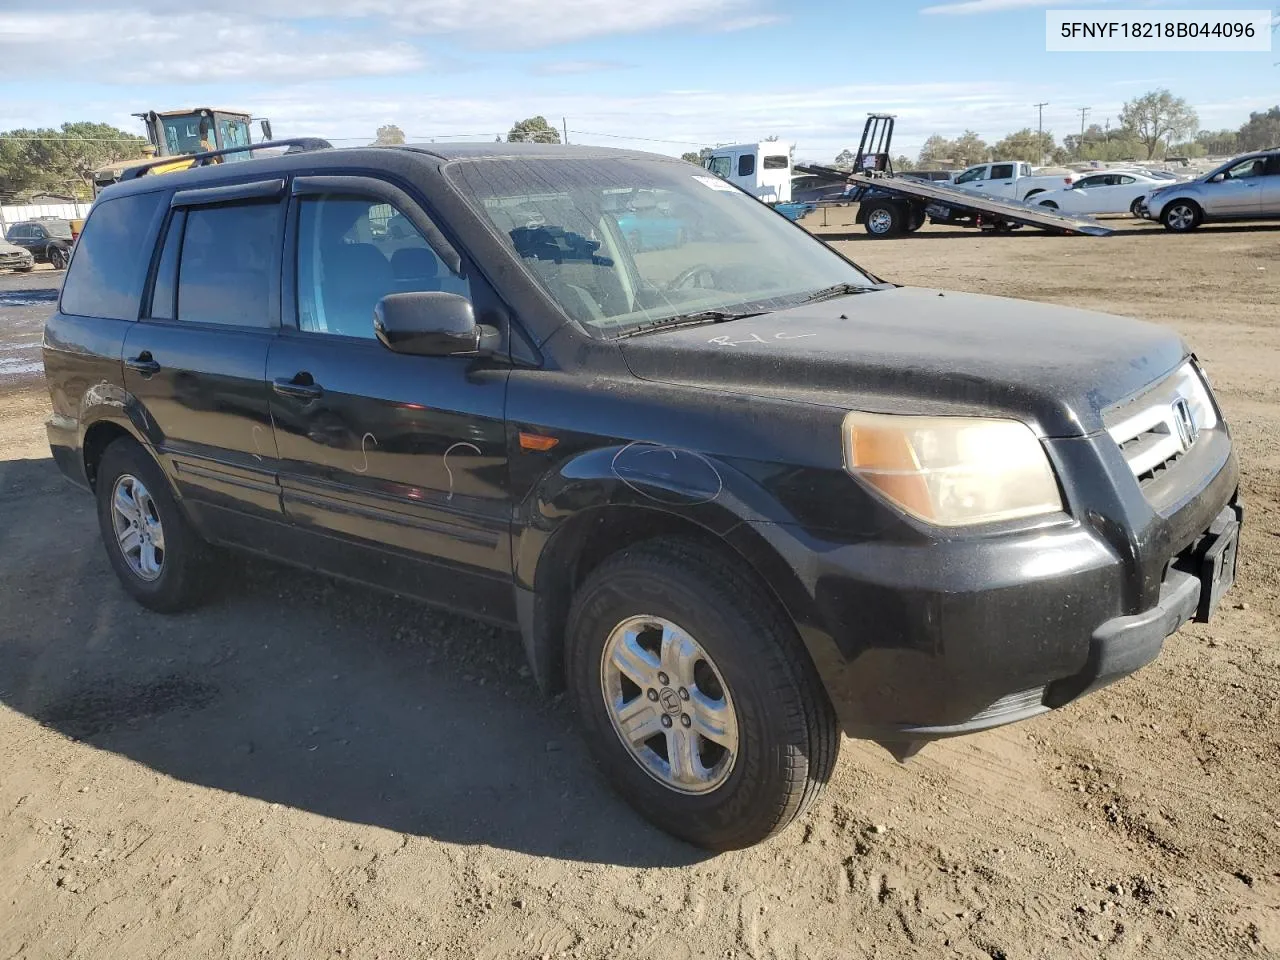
(933, 638)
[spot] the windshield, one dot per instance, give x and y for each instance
(625, 243)
(182, 134)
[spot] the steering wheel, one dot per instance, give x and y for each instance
(684, 277)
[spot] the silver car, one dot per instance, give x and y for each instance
(1246, 188)
(13, 257)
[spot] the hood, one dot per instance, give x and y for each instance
(908, 350)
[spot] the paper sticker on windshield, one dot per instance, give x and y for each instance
(715, 183)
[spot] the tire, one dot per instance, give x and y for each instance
(748, 666)
(57, 257)
(1135, 208)
(1181, 216)
(883, 219)
(177, 577)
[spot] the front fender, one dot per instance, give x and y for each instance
(638, 475)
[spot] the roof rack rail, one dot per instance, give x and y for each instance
(294, 145)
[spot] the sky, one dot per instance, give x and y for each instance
(661, 75)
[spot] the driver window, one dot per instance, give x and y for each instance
(1250, 168)
(353, 251)
(721, 166)
(970, 175)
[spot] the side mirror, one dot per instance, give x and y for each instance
(265, 127)
(1218, 178)
(431, 324)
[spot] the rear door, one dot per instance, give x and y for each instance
(196, 362)
(406, 454)
(1269, 192)
(1002, 179)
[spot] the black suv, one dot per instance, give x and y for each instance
(48, 239)
(735, 492)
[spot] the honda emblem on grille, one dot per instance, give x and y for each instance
(1185, 421)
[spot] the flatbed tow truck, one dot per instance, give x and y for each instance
(890, 205)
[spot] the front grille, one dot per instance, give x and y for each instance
(1159, 426)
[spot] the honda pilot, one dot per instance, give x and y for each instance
(737, 494)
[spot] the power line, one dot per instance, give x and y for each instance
(5, 136)
(626, 136)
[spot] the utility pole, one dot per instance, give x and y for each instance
(1084, 112)
(1040, 141)
(565, 124)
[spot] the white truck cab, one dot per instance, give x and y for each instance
(1010, 178)
(762, 169)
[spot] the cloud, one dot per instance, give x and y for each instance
(202, 47)
(747, 23)
(992, 6)
(561, 68)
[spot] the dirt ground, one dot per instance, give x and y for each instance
(306, 770)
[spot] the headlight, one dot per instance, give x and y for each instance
(1193, 386)
(952, 471)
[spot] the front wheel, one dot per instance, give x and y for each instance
(157, 556)
(58, 258)
(696, 697)
(1181, 216)
(883, 219)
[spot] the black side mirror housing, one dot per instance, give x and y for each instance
(430, 323)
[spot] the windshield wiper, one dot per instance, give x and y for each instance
(837, 290)
(690, 320)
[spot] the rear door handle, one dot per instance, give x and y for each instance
(144, 364)
(299, 385)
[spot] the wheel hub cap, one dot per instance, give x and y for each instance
(139, 533)
(668, 704)
(880, 221)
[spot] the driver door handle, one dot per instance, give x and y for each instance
(299, 385)
(144, 364)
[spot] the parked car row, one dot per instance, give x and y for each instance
(45, 240)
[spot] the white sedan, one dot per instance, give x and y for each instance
(1116, 191)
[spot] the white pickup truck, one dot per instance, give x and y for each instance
(1010, 179)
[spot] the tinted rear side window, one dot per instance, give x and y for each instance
(111, 259)
(746, 165)
(775, 163)
(229, 256)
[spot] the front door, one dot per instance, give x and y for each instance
(401, 454)
(196, 362)
(1239, 192)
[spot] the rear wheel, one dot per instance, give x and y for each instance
(883, 219)
(1135, 208)
(1181, 216)
(696, 697)
(157, 556)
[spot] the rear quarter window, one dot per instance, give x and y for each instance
(111, 259)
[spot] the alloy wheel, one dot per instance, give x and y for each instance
(139, 532)
(669, 704)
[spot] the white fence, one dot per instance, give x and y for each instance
(16, 214)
